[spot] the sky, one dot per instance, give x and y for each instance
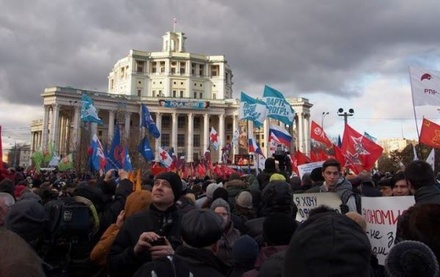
(337, 54)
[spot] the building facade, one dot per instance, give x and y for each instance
(186, 94)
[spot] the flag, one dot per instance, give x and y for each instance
(1, 149)
(156, 169)
(252, 109)
(145, 149)
(338, 154)
(66, 163)
(281, 134)
(425, 86)
(431, 159)
(37, 157)
(235, 137)
(430, 134)
(88, 111)
(278, 107)
(138, 184)
(370, 137)
(201, 170)
(213, 138)
(225, 153)
(359, 152)
(164, 157)
(116, 153)
(148, 122)
(207, 158)
(48, 153)
(254, 147)
(54, 161)
(127, 160)
(415, 158)
(301, 158)
(273, 142)
(173, 166)
(318, 134)
(339, 141)
(98, 159)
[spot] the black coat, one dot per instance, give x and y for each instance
(122, 260)
(201, 262)
(427, 195)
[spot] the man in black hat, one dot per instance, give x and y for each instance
(152, 234)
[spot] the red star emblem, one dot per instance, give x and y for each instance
(352, 159)
(163, 155)
(359, 146)
(214, 137)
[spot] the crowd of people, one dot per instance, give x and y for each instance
(61, 224)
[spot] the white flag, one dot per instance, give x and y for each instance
(164, 157)
(416, 158)
(425, 86)
(431, 159)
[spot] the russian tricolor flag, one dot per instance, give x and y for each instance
(253, 147)
(281, 134)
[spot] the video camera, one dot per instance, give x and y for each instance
(280, 155)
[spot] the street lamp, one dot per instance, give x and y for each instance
(322, 119)
(345, 114)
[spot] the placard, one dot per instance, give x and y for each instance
(307, 168)
(381, 215)
(307, 201)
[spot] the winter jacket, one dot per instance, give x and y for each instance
(226, 242)
(202, 262)
(427, 195)
(122, 260)
(265, 254)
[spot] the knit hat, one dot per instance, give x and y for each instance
(175, 182)
(278, 229)
(201, 228)
(220, 193)
(210, 190)
(328, 244)
(221, 203)
(316, 174)
(245, 251)
(277, 177)
(269, 164)
(244, 200)
(411, 258)
(27, 218)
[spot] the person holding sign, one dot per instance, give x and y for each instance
(334, 182)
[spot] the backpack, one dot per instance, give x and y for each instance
(346, 196)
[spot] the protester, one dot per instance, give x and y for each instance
(400, 185)
(269, 169)
(244, 252)
(385, 186)
(134, 244)
(421, 180)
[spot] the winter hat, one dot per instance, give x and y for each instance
(411, 258)
(278, 229)
(244, 200)
(210, 190)
(277, 177)
(245, 251)
(184, 185)
(7, 185)
(316, 174)
(269, 164)
(175, 182)
(220, 203)
(201, 228)
(26, 218)
(220, 193)
(328, 244)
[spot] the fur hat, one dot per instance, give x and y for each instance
(411, 258)
(201, 228)
(328, 244)
(278, 229)
(244, 199)
(175, 182)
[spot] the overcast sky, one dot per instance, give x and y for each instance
(338, 54)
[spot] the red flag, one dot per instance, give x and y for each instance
(430, 134)
(359, 152)
(293, 164)
(338, 154)
(201, 170)
(318, 134)
(156, 169)
(1, 149)
(301, 158)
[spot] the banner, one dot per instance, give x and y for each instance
(381, 215)
(277, 106)
(88, 111)
(307, 201)
(425, 86)
(252, 109)
(430, 134)
(307, 168)
(200, 105)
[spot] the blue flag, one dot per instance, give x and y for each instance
(148, 122)
(116, 153)
(145, 149)
(97, 159)
(278, 107)
(252, 109)
(88, 111)
(127, 160)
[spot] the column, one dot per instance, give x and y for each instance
(205, 142)
(221, 131)
(127, 124)
(55, 128)
(190, 138)
(111, 124)
(234, 130)
(159, 127)
(307, 133)
(174, 131)
(76, 128)
(266, 148)
(45, 134)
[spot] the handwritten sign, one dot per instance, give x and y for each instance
(381, 214)
(307, 168)
(307, 201)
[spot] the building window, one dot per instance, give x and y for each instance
(139, 92)
(196, 123)
(181, 94)
(201, 69)
(215, 70)
(214, 96)
(201, 95)
(153, 67)
(181, 122)
(165, 140)
(166, 121)
(139, 66)
(181, 140)
(162, 67)
(100, 133)
(193, 69)
(196, 140)
(229, 126)
(195, 95)
(182, 67)
(200, 85)
(174, 93)
(173, 70)
(174, 82)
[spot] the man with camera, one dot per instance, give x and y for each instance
(151, 234)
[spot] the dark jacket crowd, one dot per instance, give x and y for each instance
(242, 226)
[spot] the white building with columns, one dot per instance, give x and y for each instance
(186, 94)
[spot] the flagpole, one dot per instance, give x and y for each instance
(414, 107)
